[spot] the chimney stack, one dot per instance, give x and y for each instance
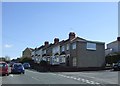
(46, 43)
(56, 40)
(71, 35)
(118, 38)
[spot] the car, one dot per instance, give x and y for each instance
(26, 65)
(4, 68)
(17, 68)
(116, 66)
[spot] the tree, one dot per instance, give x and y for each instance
(26, 59)
(43, 63)
(7, 58)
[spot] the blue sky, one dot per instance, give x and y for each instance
(30, 24)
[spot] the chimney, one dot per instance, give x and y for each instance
(56, 40)
(118, 38)
(71, 35)
(46, 43)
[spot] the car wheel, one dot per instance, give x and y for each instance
(7, 74)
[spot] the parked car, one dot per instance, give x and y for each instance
(4, 68)
(116, 66)
(26, 65)
(17, 68)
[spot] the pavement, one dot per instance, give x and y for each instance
(32, 77)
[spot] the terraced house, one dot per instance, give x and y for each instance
(72, 52)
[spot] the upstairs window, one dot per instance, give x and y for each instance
(91, 46)
(63, 48)
(67, 46)
(74, 46)
(44, 52)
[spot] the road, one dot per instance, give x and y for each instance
(33, 77)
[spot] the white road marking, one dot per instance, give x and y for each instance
(80, 79)
(35, 78)
(67, 77)
(97, 83)
(87, 81)
(72, 77)
(83, 80)
(92, 82)
(75, 78)
(11, 75)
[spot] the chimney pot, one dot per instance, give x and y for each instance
(56, 40)
(71, 35)
(118, 38)
(46, 43)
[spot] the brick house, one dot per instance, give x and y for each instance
(27, 52)
(74, 52)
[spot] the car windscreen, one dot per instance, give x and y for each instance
(2, 65)
(17, 65)
(26, 64)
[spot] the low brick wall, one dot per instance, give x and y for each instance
(50, 68)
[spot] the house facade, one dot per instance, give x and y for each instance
(113, 47)
(27, 52)
(72, 52)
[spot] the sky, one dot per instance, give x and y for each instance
(26, 24)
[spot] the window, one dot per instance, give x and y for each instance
(74, 61)
(63, 48)
(91, 46)
(57, 59)
(74, 46)
(63, 59)
(48, 59)
(67, 46)
(56, 50)
(44, 52)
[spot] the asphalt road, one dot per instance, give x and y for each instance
(33, 77)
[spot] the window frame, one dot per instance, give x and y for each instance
(91, 46)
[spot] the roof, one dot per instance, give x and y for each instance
(113, 42)
(31, 49)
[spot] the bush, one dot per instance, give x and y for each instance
(112, 58)
(43, 63)
(26, 59)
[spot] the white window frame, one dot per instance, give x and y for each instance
(68, 47)
(91, 46)
(63, 59)
(74, 46)
(63, 48)
(44, 52)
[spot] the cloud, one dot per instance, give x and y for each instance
(8, 46)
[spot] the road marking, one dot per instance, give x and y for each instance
(67, 77)
(87, 81)
(35, 78)
(79, 79)
(75, 78)
(11, 75)
(92, 82)
(71, 77)
(83, 80)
